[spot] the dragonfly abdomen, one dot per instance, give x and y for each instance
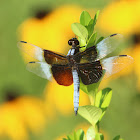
(76, 83)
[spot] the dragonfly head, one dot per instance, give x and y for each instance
(73, 42)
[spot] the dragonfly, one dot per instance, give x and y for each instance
(89, 65)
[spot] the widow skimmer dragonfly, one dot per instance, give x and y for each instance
(87, 65)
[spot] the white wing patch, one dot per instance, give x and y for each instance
(32, 50)
(41, 69)
(108, 64)
(108, 45)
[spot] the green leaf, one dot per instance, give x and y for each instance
(83, 42)
(99, 136)
(90, 113)
(90, 27)
(92, 39)
(79, 135)
(85, 18)
(102, 99)
(70, 137)
(100, 39)
(118, 138)
(95, 18)
(80, 31)
(90, 135)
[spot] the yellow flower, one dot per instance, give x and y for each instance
(61, 98)
(21, 113)
(120, 17)
(53, 31)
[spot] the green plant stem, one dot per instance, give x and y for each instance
(92, 96)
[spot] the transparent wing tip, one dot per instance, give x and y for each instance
(130, 58)
(19, 44)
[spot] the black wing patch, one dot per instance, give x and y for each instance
(89, 55)
(55, 58)
(90, 72)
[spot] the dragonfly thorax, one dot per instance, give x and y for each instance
(70, 56)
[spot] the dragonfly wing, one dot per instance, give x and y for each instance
(32, 50)
(42, 54)
(87, 56)
(115, 64)
(98, 52)
(108, 45)
(90, 72)
(62, 74)
(55, 58)
(41, 69)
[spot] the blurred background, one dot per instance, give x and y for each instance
(32, 108)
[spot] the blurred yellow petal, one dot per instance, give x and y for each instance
(33, 113)
(120, 17)
(19, 114)
(11, 122)
(61, 97)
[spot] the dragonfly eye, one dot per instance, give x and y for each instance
(70, 42)
(73, 42)
(76, 42)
